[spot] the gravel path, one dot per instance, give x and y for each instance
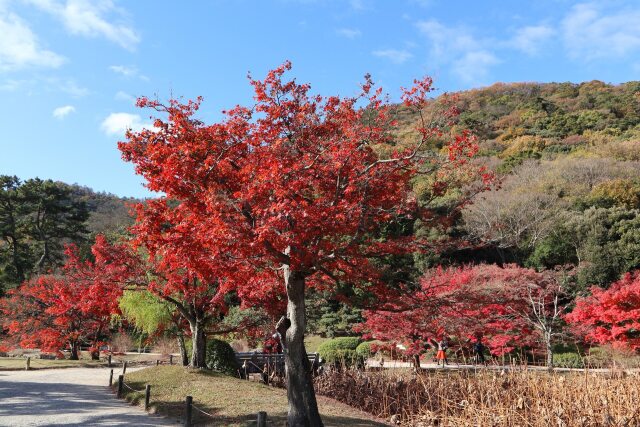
(69, 397)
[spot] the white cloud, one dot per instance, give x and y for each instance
(590, 33)
(20, 48)
(393, 55)
(124, 70)
(124, 96)
(474, 66)
(68, 86)
(357, 4)
(87, 18)
(530, 39)
(469, 58)
(11, 85)
(349, 33)
(447, 43)
(62, 112)
(118, 123)
(127, 71)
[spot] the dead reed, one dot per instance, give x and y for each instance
(517, 397)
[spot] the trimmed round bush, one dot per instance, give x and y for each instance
(568, 360)
(364, 349)
(340, 350)
(221, 357)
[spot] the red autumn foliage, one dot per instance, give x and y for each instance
(288, 191)
(64, 311)
(166, 259)
(464, 303)
(293, 171)
(610, 316)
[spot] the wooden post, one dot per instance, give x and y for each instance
(147, 396)
(28, 363)
(109, 361)
(124, 367)
(171, 359)
(188, 410)
(157, 362)
(120, 385)
(262, 419)
(110, 378)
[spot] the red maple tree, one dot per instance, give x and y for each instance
(166, 258)
(508, 307)
(610, 316)
(63, 311)
(289, 191)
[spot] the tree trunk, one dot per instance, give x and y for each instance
(416, 362)
(73, 347)
(95, 354)
(303, 408)
(20, 276)
(43, 258)
(183, 351)
(547, 339)
(199, 348)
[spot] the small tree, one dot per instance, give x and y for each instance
(152, 316)
(164, 259)
(53, 312)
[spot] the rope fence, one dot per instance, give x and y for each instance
(189, 407)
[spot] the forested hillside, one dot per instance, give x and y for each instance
(566, 159)
(38, 217)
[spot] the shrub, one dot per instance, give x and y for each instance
(122, 342)
(599, 357)
(340, 350)
(221, 357)
(364, 350)
(568, 360)
(165, 345)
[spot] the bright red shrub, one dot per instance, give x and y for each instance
(610, 316)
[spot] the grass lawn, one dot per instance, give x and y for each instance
(234, 402)
(312, 342)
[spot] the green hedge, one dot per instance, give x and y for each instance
(221, 357)
(340, 350)
(364, 349)
(568, 360)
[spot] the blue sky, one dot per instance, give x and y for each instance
(70, 69)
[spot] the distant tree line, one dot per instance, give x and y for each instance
(38, 217)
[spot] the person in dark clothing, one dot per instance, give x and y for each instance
(478, 351)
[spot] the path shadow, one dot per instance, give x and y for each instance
(51, 404)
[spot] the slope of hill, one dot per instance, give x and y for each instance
(567, 157)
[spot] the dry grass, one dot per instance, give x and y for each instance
(19, 363)
(232, 401)
(491, 398)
